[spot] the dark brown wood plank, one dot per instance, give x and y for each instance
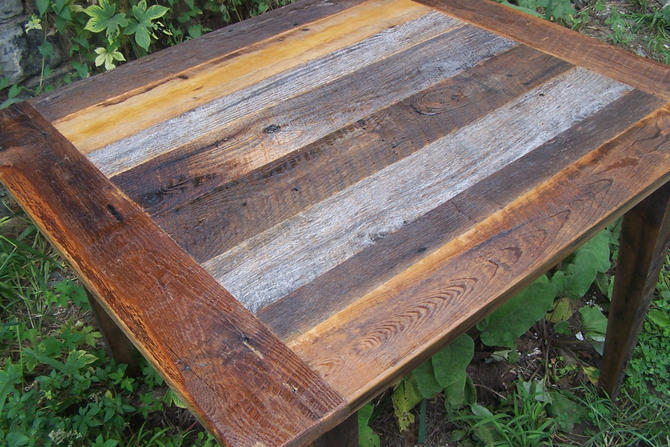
(645, 235)
(341, 286)
(644, 74)
(246, 387)
(160, 66)
(371, 343)
(279, 190)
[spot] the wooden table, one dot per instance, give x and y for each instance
(288, 214)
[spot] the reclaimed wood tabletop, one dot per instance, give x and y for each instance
(286, 215)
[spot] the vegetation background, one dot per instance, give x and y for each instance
(522, 377)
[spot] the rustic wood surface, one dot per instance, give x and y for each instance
(390, 330)
(369, 178)
(617, 63)
(645, 235)
(359, 275)
(242, 383)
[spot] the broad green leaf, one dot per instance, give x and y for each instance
(42, 6)
(595, 326)
(16, 439)
(449, 366)
(534, 389)
(156, 12)
(562, 311)
(480, 411)
(366, 435)
(516, 316)
(405, 396)
(566, 411)
(425, 380)
(595, 323)
(591, 258)
(659, 318)
(10, 376)
(46, 49)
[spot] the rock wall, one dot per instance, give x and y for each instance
(19, 56)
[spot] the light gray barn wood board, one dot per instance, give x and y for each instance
(207, 121)
(270, 265)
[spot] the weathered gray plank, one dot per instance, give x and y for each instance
(207, 122)
(292, 253)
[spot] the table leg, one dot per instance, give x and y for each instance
(643, 243)
(344, 435)
(121, 349)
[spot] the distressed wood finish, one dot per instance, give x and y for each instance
(334, 290)
(227, 366)
(103, 123)
(286, 215)
(645, 234)
(163, 65)
(646, 75)
(228, 126)
(393, 328)
(283, 188)
(296, 251)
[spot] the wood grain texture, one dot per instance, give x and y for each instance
(294, 252)
(578, 49)
(163, 65)
(217, 124)
(331, 292)
(645, 235)
(406, 319)
(279, 190)
(247, 388)
(103, 123)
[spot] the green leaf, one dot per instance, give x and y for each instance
(562, 311)
(516, 316)
(107, 56)
(449, 366)
(566, 411)
(104, 18)
(142, 25)
(591, 258)
(405, 396)
(366, 435)
(595, 326)
(659, 318)
(46, 49)
(156, 12)
(42, 6)
(425, 380)
(16, 439)
(595, 323)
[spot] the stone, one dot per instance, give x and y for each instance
(12, 47)
(10, 8)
